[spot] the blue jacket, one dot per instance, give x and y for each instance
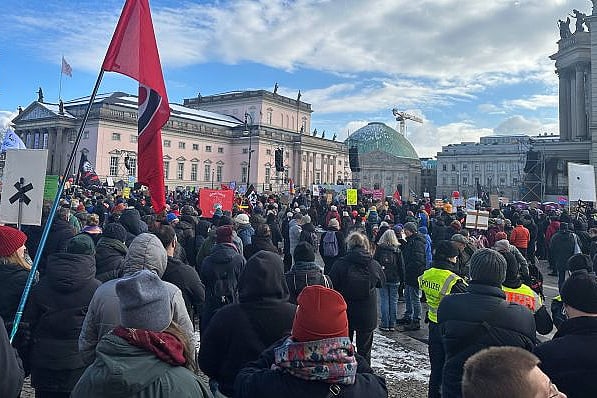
(428, 251)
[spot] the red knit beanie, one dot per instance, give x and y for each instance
(321, 314)
(11, 239)
(224, 234)
(500, 235)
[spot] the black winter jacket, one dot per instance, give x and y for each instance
(392, 270)
(109, 255)
(185, 233)
(361, 298)
(222, 267)
(239, 332)
(259, 243)
(12, 375)
(55, 312)
(187, 280)
(561, 248)
(13, 279)
(258, 379)
(131, 221)
(570, 359)
(303, 274)
(475, 320)
(413, 253)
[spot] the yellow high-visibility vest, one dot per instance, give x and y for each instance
(436, 283)
(525, 296)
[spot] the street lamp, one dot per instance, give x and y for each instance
(213, 173)
(249, 132)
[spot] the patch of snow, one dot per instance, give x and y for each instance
(397, 362)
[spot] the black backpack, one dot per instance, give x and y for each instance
(358, 282)
(225, 286)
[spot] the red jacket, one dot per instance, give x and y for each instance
(520, 237)
(552, 228)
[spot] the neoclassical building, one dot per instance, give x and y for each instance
(205, 143)
(387, 160)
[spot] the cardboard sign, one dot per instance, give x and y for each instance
(30, 165)
(476, 219)
(315, 190)
(351, 197)
(211, 199)
(126, 192)
(132, 180)
(581, 182)
(494, 201)
(51, 187)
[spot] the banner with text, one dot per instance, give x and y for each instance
(211, 199)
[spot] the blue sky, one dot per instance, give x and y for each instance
(469, 68)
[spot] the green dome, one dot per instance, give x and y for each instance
(378, 136)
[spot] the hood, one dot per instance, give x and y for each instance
(188, 219)
(203, 227)
(131, 220)
(263, 278)
(122, 369)
(146, 252)
(68, 271)
(104, 244)
(306, 266)
(308, 227)
(358, 256)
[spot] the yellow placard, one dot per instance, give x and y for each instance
(351, 197)
(126, 192)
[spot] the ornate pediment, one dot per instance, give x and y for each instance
(36, 111)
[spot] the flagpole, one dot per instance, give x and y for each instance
(46, 230)
(60, 85)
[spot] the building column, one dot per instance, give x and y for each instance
(581, 114)
(50, 149)
(573, 108)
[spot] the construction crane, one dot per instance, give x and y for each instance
(401, 118)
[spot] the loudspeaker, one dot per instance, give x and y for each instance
(279, 159)
(532, 160)
(353, 159)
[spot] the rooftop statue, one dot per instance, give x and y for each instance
(564, 28)
(580, 20)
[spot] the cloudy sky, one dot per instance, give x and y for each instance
(467, 67)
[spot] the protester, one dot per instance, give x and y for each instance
(185, 233)
(92, 228)
(244, 229)
(355, 276)
(110, 252)
(331, 245)
(239, 332)
(499, 372)
(480, 318)
(220, 272)
(130, 219)
(437, 282)
(305, 271)
(147, 354)
(60, 233)
(262, 240)
(570, 359)
(210, 241)
(53, 316)
(274, 227)
(145, 252)
(413, 253)
(388, 255)
(428, 245)
(180, 274)
(12, 374)
(333, 214)
(465, 251)
(14, 270)
(317, 360)
(561, 248)
(520, 237)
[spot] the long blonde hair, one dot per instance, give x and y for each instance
(357, 239)
(188, 351)
(16, 259)
(388, 238)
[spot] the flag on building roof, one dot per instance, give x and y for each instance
(11, 141)
(66, 68)
(87, 176)
(133, 52)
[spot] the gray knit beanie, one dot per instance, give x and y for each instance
(144, 302)
(488, 267)
(412, 227)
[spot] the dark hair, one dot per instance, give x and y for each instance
(263, 230)
(165, 234)
(499, 372)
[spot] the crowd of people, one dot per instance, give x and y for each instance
(285, 296)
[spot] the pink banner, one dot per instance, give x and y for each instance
(377, 194)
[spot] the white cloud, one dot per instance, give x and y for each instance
(5, 118)
(534, 102)
(428, 138)
(520, 125)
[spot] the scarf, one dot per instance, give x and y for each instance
(163, 345)
(328, 360)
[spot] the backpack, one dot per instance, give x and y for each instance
(386, 258)
(310, 237)
(358, 283)
(330, 244)
(225, 287)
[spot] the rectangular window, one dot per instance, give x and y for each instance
(453, 181)
(243, 174)
(245, 151)
(464, 180)
(317, 178)
(45, 139)
(206, 172)
(194, 172)
(444, 167)
(453, 167)
(476, 166)
(502, 166)
(167, 170)
(132, 162)
(208, 148)
(181, 145)
(464, 166)
(167, 143)
(267, 174)
(180, 171)
(268, 151)
(86, 134)
(220, 149)
(115, 136)
(134, 138)
(219, 172)
(113, 166)
(502, 181)
(195, 147)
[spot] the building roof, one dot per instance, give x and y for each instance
(378, 136)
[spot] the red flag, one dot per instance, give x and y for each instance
(134, 52)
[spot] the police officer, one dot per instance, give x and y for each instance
(437, 282)
(519, 293)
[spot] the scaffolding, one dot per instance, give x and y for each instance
(532, 176)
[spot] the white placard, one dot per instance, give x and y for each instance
(29, 164)
(581, 182)
(476, 219)
(315, 190)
